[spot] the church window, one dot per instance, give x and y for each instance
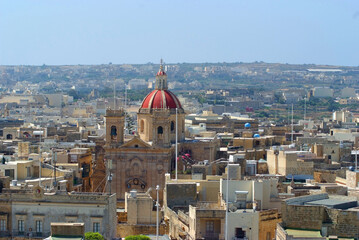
(3, 225)
(142, 126)
(21, 226)
(96, 227)
(172, 126)
(160, 130)
(113, 132)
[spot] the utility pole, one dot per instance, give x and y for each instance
(226, 229)
(40, 162)
(54, 166)
(292, 123)
(157, 205)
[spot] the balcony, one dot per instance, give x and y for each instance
(4, 233)
(32, 235)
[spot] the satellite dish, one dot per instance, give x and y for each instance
(232, 208)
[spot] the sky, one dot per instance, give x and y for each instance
(64, 32)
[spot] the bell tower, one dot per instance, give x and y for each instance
(115, 123)
(161, 79)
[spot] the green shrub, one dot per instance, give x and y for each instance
(93, 236)
(137, 237)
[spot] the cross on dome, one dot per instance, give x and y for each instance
(161, 78)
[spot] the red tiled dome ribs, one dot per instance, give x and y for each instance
(160, 98)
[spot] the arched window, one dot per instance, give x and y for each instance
(142, 126)
(160, 130)
(113, 132)
(172, 126)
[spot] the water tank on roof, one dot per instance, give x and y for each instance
(256, 135)
(247, 125)
(14, 182)
(133, 193)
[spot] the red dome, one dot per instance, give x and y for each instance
(161, 99)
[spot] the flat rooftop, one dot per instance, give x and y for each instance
(334, 203)
(303, 233)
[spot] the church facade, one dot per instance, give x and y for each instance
(141, 163)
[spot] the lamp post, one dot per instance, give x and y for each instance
(226, 228)
(157, 205)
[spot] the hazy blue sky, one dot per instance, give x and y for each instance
(139, 31)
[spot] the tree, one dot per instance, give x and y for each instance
(137, 237)
(73, 93)
(93, 236)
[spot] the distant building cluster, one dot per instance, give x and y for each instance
(183, 162)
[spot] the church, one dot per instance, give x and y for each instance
(141, 163)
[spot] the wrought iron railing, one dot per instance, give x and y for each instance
(40, 235)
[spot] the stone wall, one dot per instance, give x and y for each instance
(341, 223)
(176, 225)
(122, 217)
(200, 151)
(181, 194)
(262, 168)
(324, 176)
(124, 230)
(352, 179)
(303, 217)
(344, 223)
(268, 220)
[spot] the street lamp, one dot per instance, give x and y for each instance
(226, 229)
(157, 204)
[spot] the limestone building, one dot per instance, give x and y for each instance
(321, 214)
(29, 212)
(141, 162)
(196, 209)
